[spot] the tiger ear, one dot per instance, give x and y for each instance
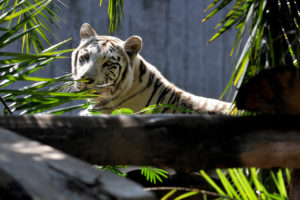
(133, 45)
(86, 31)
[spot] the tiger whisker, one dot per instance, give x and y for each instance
(103, 85)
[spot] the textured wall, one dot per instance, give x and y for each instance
(174, 39)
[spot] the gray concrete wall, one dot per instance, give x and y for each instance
(174, 39)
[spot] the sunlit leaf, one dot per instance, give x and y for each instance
(115, 13)
(186, 195)
(168, 195)
(212, 183)
(154, 174)
(123, 111)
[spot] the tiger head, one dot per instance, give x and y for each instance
(104, 64)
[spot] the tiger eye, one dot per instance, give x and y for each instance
(83, 58)
(80, 59)
(87, 56)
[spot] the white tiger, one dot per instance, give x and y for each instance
(114, 70)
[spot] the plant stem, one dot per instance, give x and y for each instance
(182, 189)
(6, 106)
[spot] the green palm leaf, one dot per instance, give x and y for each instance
(115, 13)
(26, 19)
(271, 29)
(154, 174)
(30, 13)
(245, 184)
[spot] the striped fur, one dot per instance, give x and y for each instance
(114, 70)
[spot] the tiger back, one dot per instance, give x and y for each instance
(115, 71)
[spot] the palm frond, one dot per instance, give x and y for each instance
(154, 174)
(244, 184)
(31, 14)
(268, 31)
(115, 13)
(42, 95)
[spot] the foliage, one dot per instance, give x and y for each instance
(27, 21)
(115, 13)
(246, 184)
(269, 31)
(153, 174)
(267, 36)
(123, 111)
(33, 17)
(181, 196)
(156, 108)
(113, 169)
(152, 109)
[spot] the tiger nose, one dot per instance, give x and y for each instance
(87, 80)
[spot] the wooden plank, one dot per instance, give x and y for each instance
(30, 170)
(188, 142)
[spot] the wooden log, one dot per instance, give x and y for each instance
(273, 91)
(29, 170)
(188, 142)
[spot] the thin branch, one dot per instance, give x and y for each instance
(6, 106)
(183, 189)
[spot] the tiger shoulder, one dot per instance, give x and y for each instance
(121, 78)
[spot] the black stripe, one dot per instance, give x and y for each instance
(162, 95)
(106, 101)
(75, 61)
(115, 106)
(112, 75)
(82, 47)
(123, 76)
(142, 68)
(107, 65)
(176, 99)
(150, 80)
(111, 49)
(170, 99)
(157, 84)
(124, 72)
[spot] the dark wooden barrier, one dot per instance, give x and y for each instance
(188, 142)
(29, 170)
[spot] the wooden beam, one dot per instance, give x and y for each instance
(188, 142)
(29, 170)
